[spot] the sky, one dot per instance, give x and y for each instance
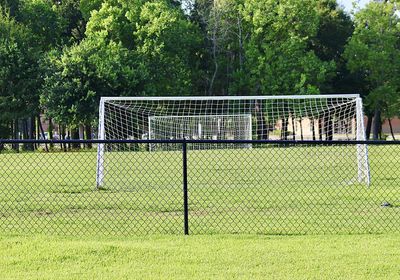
(348, 4)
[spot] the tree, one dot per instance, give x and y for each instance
(278, 47)
(168, 45)
(374, 51)
(42, 20)
(73, 21)
(151, 31)
(278, 54)
(45, 28)
(19, 78)
(130, 49)
(77, 78)
(10, 7)
(334, 30)
(87, 6)
(224, 35)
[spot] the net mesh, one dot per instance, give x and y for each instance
(201, 127)
(230, 118)
(273, 119)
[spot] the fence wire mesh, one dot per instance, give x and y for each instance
(266, 187)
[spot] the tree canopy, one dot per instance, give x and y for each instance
(57, 58)
(374, 52)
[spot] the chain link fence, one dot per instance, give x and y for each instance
(264, 187)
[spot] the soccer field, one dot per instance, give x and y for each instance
(264, 190)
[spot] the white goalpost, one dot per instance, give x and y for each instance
(297, 117)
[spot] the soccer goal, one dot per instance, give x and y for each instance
(200, 127)
(308, 117)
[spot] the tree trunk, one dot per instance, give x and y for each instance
(320, 124)
(262, 129)
(369, 126)
(240, 37)
(294, 129)
(214, 56)
(377, 124)
(210, 89)
(88, 135)
(43, 135)
(75, 136)
(37, 130)
(391, 128)
(6, 135)
(32, 130)
(62, 137)
(81, 130)
(68, 137)
(26, 134)
(37, 120)
(312, 121)
(50, 131)
(15, 146)
(284, 132)
(301, 130)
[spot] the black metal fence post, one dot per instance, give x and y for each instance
(185, 190)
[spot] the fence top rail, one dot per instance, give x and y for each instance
(258, 97)
(187, 141)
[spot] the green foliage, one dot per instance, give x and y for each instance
(87, 6)
(224, 35)
(91, 48)
(19, 77)
(277, 52)
(9, 7)
(334, 31)
(74, 24)
(44, 22)
(130, 49)
(76, 78)
(115, 21)
(374, 52)
(166, 42)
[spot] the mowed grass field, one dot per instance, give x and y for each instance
(299, 211)
(201, 257)
(270, 190)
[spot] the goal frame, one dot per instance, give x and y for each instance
(362, 149)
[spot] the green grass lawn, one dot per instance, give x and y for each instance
(271, 190)
(54, 224)
(202, 257)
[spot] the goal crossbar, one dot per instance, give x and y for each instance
(199, 116)
(266, 97)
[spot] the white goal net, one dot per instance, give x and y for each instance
(201, 127)
(312, 117)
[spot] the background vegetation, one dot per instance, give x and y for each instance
(57, 57)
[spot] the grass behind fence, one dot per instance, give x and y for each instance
(270, 190)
